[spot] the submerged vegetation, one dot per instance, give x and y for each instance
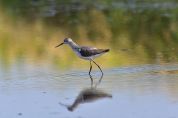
(141, 32)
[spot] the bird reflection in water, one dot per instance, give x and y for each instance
(87, 96)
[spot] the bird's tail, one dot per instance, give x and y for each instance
(106, 50)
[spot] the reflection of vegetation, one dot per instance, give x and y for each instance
(147, 35)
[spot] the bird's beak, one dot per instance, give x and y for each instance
(59, 45)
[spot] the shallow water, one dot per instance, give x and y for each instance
(140, 91)
(140, 72)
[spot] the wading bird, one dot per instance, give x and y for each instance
(87, 53)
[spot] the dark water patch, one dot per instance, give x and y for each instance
(20, 114)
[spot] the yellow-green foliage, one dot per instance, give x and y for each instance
(34, 41)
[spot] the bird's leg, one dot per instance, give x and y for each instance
(90, 74)
(100, 70)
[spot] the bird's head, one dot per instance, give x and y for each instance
(66, 41)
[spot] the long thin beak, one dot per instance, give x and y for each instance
(59, 45)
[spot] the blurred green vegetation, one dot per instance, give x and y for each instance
(136, 31)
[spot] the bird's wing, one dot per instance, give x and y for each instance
(90, 51)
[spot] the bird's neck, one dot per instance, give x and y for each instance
(73, 45)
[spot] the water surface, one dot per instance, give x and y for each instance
(140, 71)
(148, 91)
